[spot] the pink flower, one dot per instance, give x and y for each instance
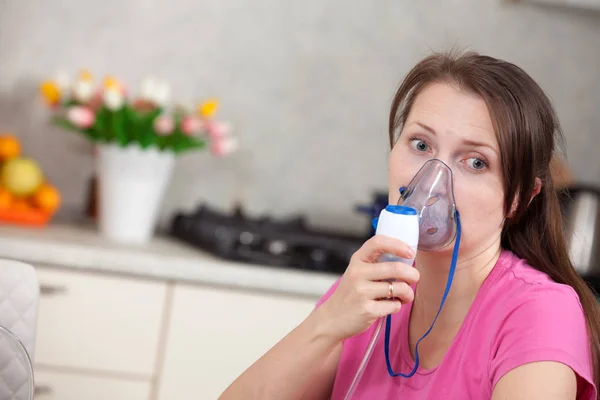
(164, 125)
(217, 130)
(224, 146)
(96, 101)
(80, 116)
(192, 126)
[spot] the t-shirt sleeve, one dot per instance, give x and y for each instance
(546, 325)
(328, 293)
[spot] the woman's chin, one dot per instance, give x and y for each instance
(445, 251)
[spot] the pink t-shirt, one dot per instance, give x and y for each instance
(518, 316)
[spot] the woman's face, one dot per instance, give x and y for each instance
(455, 127)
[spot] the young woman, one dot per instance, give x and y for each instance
(518, 322)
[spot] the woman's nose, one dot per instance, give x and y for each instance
(436, 178)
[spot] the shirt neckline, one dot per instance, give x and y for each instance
(473, 310)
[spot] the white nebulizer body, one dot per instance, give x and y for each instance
(399, 222)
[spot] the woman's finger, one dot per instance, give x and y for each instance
(373, 248)
(386, 271)
(390, 290)
(385, 307)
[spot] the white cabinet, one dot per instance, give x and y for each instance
(104, 329)
(64, 386)
(215, 334)
(99, 322)
(103, 337)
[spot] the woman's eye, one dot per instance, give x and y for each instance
(476, 163)
(419, 145)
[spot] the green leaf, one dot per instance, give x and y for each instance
(71, 102)
(147, 136)
(133, 124)
(186, 143)
(102, 126)
(118, 126)
(65, 124)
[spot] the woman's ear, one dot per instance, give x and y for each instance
(537, 187)
(513, 207)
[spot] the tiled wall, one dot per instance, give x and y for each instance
(306, 83)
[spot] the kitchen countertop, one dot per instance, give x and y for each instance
(81, 247)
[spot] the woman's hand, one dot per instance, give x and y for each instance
(362, 295)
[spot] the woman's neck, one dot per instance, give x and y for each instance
(471, 271)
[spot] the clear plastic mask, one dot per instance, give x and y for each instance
(431, 193)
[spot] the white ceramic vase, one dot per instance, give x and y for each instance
(131, 183)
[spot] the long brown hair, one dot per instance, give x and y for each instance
(528, 133)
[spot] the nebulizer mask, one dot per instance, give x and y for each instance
(426, 218)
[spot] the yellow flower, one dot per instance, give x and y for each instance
(111, 83)
(85, 75)
(208, 108)
(50, 92)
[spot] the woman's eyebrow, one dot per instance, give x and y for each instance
(467, 142)
(427, 128)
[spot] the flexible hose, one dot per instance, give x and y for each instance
(365, 360)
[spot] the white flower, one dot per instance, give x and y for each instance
(113, 98)
(147, 88)
(162, 93)
(155, 91)
(114, 94)
(83, 91)
(84, 87)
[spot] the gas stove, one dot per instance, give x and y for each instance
(286, 243)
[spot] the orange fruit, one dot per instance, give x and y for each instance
(21, 205)
(10, 147)
(47, 198)
(6, 199)
(21, 176)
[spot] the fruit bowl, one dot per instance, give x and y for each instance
(26, 196)
(30, 217)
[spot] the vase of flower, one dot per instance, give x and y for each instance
(131, 184)
(137, 142)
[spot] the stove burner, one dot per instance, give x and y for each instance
(284, 243)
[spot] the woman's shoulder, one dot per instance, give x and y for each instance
(523, 295)
(515, 276)
(534, 319)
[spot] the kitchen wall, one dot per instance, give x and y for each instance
(306, 84)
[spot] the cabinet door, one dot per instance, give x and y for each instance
(64, 386)
(98, 323)
(215, 334)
